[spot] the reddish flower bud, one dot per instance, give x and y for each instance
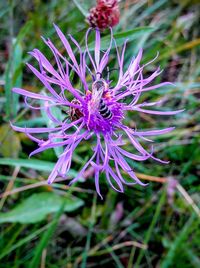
(105, 14)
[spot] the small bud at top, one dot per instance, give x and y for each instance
(104, 15)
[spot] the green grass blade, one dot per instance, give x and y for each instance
(181, 237)
(23, 241)
(82, 6)
(121, 37)
(88, 240)
(151, 227)
(46, 238)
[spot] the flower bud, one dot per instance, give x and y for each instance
(104, 15)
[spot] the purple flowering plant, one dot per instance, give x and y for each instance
(95, 111)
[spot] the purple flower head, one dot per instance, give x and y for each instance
(95, 110)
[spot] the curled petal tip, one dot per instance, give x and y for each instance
(43, 39)
(15, 89)
(99, 194)
(54, 25)
(11, 124)
(171, 129)
(141, 51)
(171, 83)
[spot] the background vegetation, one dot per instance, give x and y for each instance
(53, 226)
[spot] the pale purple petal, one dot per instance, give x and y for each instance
(156, 112)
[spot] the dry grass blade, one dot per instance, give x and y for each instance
(95, 250)
(151, 178)
(119, 246)
(188, 199)
(9, 187)
(40, 184)
(43, 258)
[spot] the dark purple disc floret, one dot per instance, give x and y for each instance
(97, 123)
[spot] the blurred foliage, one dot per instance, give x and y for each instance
(10, 142)
(155, 226)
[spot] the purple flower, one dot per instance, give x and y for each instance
(96, 110)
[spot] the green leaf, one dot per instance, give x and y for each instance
(13, 78)
(16, 76)
(32, 122)
(33, 164)
(121, 37)
(24, 31)
(148, 11)
(13, 73)
(36, 207)
(4, 11)
(9, 142)
(27, 163)
(82, 6)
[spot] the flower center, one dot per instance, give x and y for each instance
(102, 115)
